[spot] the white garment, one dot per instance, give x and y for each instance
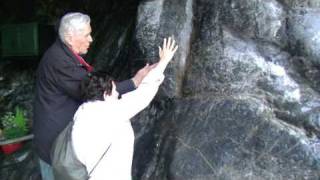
(98, 124)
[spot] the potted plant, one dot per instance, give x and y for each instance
(14, 126)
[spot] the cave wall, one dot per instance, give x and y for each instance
(241, 96)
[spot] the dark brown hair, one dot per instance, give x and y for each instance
(94, 85)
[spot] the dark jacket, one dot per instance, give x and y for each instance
(58, 95)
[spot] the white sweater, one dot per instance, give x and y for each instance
(98, 124)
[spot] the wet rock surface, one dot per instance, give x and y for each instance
(248, 106)
(241, 97)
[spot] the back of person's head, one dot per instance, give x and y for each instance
(95, 85)
(72, 23)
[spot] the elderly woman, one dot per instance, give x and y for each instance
(102, 136)
(59, 74)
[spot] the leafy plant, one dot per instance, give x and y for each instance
(14, 124)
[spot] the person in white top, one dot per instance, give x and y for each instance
(102, 135)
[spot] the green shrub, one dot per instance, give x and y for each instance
(14, 124)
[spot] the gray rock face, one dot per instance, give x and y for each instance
(241, 99)
(153, 20)
(259, 19)
(301, 3)
(304, 32)
(233, 138)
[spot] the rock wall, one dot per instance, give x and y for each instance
(241, 97)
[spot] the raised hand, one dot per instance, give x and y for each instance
(168, 49)
(166, 53)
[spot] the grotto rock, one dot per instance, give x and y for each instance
(248, 107)
(157, 20)
(230, 138)
(241, 96)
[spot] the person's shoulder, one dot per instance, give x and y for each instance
(56, 50)
(92, 107)
(57, 54)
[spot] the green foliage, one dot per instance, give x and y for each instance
(14, 125)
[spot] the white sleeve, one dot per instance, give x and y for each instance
(135, 101)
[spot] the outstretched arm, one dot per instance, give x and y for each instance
(139, 76)
(131, 84)
(166, 53)
(137, 100)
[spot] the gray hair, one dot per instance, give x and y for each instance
(72, 23)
